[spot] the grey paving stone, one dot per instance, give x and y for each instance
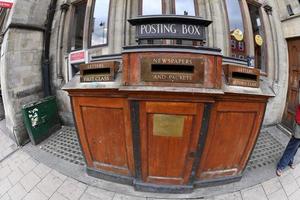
(29, 181)
(231, 196)
(4, 172)
(28, 165)
(41, 170)
(5, 185)
(278, 195)
(57, 196)
(100, 193)
(59, 175)
(296, 171)
(17, 192)
(295, 195)
(272, 185)
(50, 184)
(289, 183)
(5, 197)
(72, 189)
(15, 176)
(87, 196)
(35, 194)
(254, 193)
(124, 197)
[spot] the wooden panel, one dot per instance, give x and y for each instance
(168, 159)
(105, 133)
(293, 86)
(231, 123)
(132, 69)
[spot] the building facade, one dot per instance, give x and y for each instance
(249, 32)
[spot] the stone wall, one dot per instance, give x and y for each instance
(21, 78)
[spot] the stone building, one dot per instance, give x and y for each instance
(32, 42)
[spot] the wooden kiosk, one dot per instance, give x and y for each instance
(168, 121)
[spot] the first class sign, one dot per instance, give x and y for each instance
(170, 27)
(6, 3)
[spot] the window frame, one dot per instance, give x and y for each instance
(91, 15)
(173, 8)
(163, 7)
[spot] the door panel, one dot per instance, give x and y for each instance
(169, 136)
(294, 77)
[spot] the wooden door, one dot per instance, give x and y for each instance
(293, 87)
(105, 133)
(233, 129)
(169, 137)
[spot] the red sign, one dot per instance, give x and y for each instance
(6, 4)
(77, 57)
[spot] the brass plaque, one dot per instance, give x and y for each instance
(177, 69)
(168, 125)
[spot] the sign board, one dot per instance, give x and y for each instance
(6, 3)
(170, 27)
(171, 31)
(98, 71)
(77, 57)
(176, 69)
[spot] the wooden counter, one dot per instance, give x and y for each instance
(164, 138)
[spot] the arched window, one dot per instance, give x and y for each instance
(258, 35)
(236, 29)
(99, 23)
(76, 32)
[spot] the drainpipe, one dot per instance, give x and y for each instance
(46, 50)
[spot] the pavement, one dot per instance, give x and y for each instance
(28, 173)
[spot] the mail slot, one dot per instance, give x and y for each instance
(241, 76)
(172, 69)
(98, 71)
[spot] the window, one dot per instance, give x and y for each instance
(76, 40)
(152, 7)
(99, 23)
(185, 7)
(258, 37)
(236, 29)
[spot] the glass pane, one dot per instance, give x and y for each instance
(234, 15)
(99, 24)
(152, 7)
(236, 28)
(77, 27)
(258, 36)
(185, 7)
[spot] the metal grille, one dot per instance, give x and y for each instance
(266, 152)
(64, 144)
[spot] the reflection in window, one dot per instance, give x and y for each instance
(76, 41)
(236, 28)
(99, 23)
(185, 7)
(152, 7)
(257, 33)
